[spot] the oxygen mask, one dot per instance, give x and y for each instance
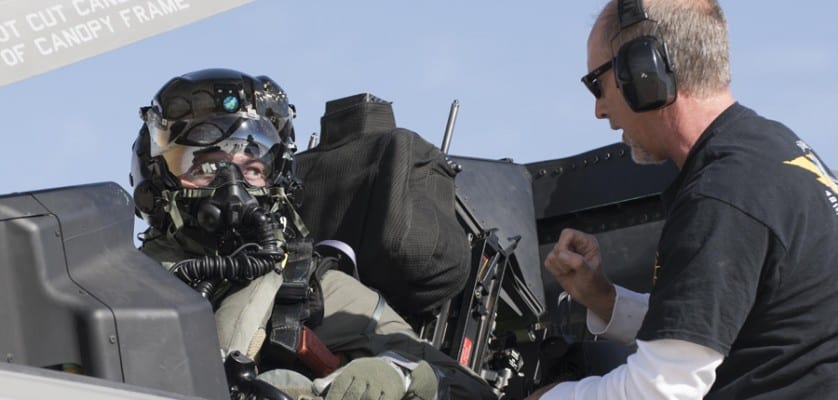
(230, 204)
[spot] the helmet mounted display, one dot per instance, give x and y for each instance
(208, 120)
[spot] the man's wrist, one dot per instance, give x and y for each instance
(603, 305)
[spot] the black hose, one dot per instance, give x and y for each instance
(264, 232)
(206, 288)
(204, 273)
(242, 267)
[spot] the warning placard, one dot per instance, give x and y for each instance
(37, 36)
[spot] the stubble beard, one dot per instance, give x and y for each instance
(640, 155)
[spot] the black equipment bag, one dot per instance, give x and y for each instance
(389, 194)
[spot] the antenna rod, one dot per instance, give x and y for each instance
(312, 141)
(449, 128)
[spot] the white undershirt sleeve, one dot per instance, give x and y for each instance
(660, 369)
(629, 309)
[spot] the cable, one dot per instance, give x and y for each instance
(205, 273)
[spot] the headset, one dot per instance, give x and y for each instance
(643, 70)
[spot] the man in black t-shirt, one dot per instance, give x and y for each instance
(744, 300)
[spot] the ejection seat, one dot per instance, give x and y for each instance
(460, 263)
(389, 194)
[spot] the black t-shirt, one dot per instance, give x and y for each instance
(748, 261)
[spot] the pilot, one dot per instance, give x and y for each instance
(743, 300)
(213, 172)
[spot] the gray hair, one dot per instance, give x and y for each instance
(695, 33)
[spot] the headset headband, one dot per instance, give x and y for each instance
(630, 12)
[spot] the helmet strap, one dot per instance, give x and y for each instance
(278, 200)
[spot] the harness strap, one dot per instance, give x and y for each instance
(375, 317)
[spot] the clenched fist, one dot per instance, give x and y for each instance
(576, 264)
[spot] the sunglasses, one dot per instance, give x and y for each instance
(591, 80)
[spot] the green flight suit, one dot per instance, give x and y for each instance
(349, 307)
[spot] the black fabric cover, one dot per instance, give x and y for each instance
(389, 194)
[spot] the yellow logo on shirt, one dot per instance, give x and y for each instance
(810, 162)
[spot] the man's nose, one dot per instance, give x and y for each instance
(600, 111)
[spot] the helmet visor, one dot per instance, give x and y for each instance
(195, 149)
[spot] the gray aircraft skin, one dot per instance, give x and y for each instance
(87, 316)
(24, 382)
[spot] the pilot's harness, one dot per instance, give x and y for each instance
(298, 304)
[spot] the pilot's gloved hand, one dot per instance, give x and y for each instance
(368, 378)
(423, 383)
(295, 384)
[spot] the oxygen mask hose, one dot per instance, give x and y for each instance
(263, 232)
(232, 210)
(245, 264)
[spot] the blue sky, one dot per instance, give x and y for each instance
(515, 71)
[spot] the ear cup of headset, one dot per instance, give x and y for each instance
(644, 74)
